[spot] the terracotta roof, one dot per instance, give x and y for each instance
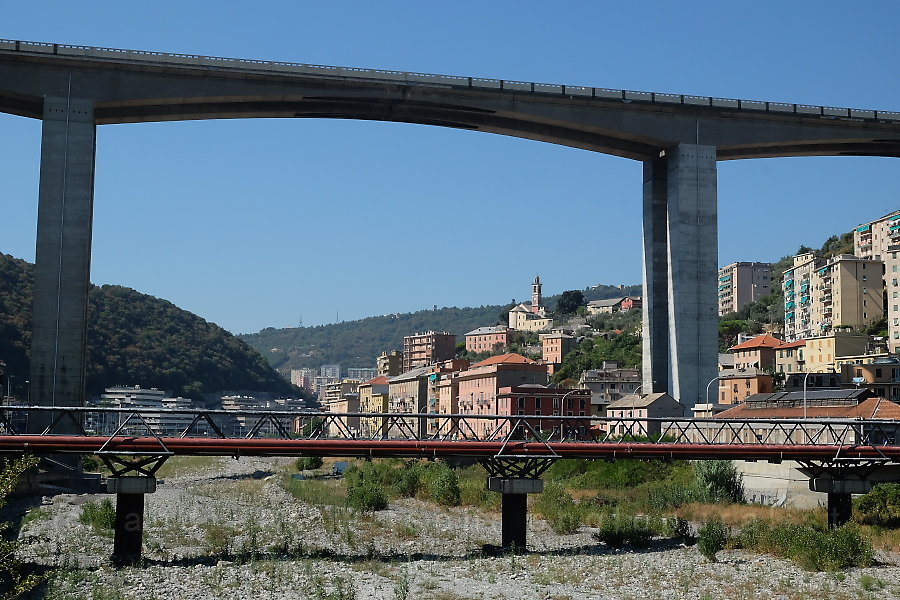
(380, 380)
(796, 344)
(872, 408)
(761, 341)
(508, 358)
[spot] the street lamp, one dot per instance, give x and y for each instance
(716, 378)
(808, 373)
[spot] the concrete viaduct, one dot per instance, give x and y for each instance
(679, 138)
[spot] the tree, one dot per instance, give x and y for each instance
(569, 301)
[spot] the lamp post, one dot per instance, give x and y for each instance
(716, 378)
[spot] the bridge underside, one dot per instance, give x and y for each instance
(679, 144)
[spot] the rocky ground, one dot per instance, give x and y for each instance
(214, 510)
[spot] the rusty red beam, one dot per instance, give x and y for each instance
(47, 444)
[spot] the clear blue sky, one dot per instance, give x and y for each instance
(257, 223)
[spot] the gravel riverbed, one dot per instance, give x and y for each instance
(198, 521)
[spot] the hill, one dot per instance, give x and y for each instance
(137, 339)
(358, 343)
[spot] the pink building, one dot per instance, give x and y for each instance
(487, 338)
(479, 386)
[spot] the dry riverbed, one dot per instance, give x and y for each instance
(206, 512)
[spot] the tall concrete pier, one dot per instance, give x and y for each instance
(678, 137)
(680, 332)
(63, 255)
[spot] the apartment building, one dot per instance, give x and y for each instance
(790, 357)
(362, 373)
(823, 295)
(480, 384)
(373, 398)
(486, 339)
(303, 378)
(143, 399)
(421, 349)
(408, 393)
(738, 385)
(543, 403)
(632, 414)
(880, 239)
(882, 377)
(758, 352)
(741, 283)
(333, 371)
(390, 363)
(609, 384)
(555, 346)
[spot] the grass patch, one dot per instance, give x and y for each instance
(318, 492)
(99, 515)
(180, 466)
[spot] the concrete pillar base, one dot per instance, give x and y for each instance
(128, 528)
(514, 509)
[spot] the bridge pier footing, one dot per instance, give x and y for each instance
(514, 508)
(128, 527)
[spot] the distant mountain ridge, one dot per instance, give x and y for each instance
(358, 343)
(136, 339)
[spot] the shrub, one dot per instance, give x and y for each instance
(559, 509)
(309, 463)
(680, 530)
(719, 480)
(99, 515)
(619, 530)
(711, 539)
(812, 548)
(367, 496)
(880, 507)
(442, 485)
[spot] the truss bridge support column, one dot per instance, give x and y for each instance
(514, 508)
(129, 523)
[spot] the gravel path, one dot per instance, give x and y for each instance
(292, 550)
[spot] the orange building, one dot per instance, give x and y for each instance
(555, 346)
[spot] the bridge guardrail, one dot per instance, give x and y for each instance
(467, 427)
(449, 80)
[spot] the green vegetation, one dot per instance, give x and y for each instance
(133, 337)
(99, 515)
(15, 579)
(569, 302)
(811, 547)
(719, 481)
(622, 529)
(880, 507)
(591, 352)
(711, 538)
(309, 463)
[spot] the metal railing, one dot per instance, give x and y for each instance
(412, 78)
(306, 425)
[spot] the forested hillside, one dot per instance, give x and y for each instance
(136, 339)
(358, 343)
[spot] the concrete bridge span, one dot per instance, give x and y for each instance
(679, 139)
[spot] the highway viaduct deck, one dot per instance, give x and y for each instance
(679, 138)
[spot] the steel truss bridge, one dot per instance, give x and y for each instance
(840, 456)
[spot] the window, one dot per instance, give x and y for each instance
(521, 402)
(877, 372)
(537, 413)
